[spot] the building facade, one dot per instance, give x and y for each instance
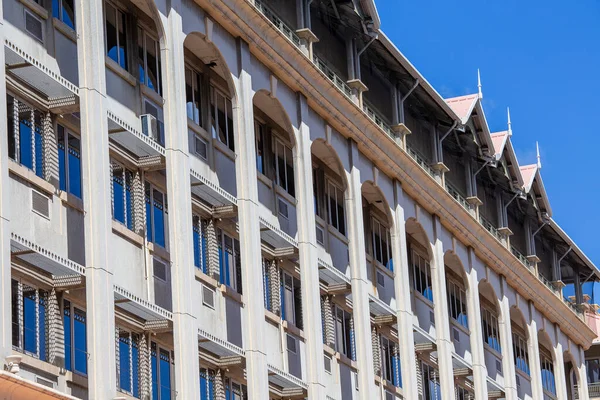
(243, 199)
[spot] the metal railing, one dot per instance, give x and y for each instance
(490, 227)
(372, 114)
(333, 77)
(420, 160)
(521, 257)
(279, 24)
(574, 307)
(593, 391)
(457, 196)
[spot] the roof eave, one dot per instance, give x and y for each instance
(574, 246)
(487, 136)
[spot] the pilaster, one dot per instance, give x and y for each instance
(506, 343)
(402, 291)
(309, 272)
(250, 246)
(100, 307)
(559, 371)
(185, 324)
(476, 333)
(583, 390)
(533, 344)
(442, 321)
(360, 284)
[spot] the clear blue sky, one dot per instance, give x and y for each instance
(540, 58)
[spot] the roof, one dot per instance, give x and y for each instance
(499, 141)
(528, 173)
(463, 106)
(532, 179)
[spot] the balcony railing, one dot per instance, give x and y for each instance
(279, 24)
(593, 391)
(521, 257)
(420, 160)
(332, 76)
(457, 196)
(372, 114)
(490, 227)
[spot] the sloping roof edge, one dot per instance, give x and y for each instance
(574, 246)
(371, 8)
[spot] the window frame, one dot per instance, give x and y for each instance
(458, 307)
(419, 273)
(489, 322)
(521, 352)
(296, 289)
(132, 362)
(73, 307)
(346, 343)
(222, 237)
(149, 200)
(128, 208)
(336, 224)
(60, 11)
(196, 79)
(119, 11)
(289, 185)
(376, 222)
(19, 309)
(147, 32)
(214, 116)
(158, 349)
(66, 148)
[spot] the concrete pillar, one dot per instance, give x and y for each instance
(5, 272)
(560, 376)
(95, 164)
(360, 283)
(402, 292)
(249, 227)
(506, 343)
(476, 332)
(442, 316)
(533, 345)
(185, 324)
(309, 271)
(582, 382)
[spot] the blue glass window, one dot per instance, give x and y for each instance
(548, 380)
(64, 10)
(122, 195)
(229, 257)
(69, 167)
(30, 142)
(68, 334)
(74, 321)
(199, 239)
(422, 276)
(129, 362)
(116, 35)
(207, 384)
(156, 211)
(30, 337)
(149, 67)
(160, 363)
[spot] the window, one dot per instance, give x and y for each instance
(266, 270)
(207, 384)
(521, 353)
(156, 215)
(463, 394)
(284, 167)
(25, 141)
(235, 391)
(318, 190)
(421, 276)
(390, 362)
(337, 217)
(64, 10)
(69, 161)
(149, 61)
(548, 380)
(200, 245)
(431, 382)
(74, 321)
(222, 117)
(193, 95)
(291, 300)
(116, 35)
(457, 303)
(344, 332)
(593, 370)
(160, 365)
(230, 272)
(382, 248)
(129, 362)
(259, 134)
(491, 333)
(29, 319)
(122, 192)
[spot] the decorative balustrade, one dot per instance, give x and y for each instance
(372, 114)
(490, 227)
(521, 257)
(332, 76)
(420, 160)
(457, 196)
(279, 24)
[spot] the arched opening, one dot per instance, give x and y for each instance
(329, 188)
(571, 376)
(520, 339)
(457, 288)
(275, 147)
(419, 258)
(378, 224)
(210, 98)
(547, 363)
(490, 315)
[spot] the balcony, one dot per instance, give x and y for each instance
(279, 24)
(458, 197)
(490, 228)
(378, 120)
(521, 258)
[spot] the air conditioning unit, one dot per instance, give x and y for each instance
(150, 126)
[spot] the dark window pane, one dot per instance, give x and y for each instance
(80, 344)
(29, 319)
(68, 13)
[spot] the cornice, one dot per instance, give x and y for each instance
(286, 61)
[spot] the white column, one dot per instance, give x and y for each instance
(250, 246)
(506, 343)
(5, 296)
(476, 333)
(403, 310)
(183, 285)
(559, 370)
(95, 164)
(582, 382)
(533, 345)
(360, 283)
(309, 271)
(442, 316)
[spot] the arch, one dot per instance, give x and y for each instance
(518, 320)
(373, 194)
(572, 375)
(415, 230)
(272, 108)
(208, 53)
(324, 152)
(547, 370)
(486, 290)
(492, 335)
(455, 266)
(151, 9)
(519, 326)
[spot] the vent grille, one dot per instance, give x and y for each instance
(432, 318)
(498, 366)
(160, 270)
(34, 26)
(40, 204)
(201, 147)
(283, 208)
(456, 335)
(320, 235)
(44, 382)
(292, 344)
(327, 361)
(208, 297)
